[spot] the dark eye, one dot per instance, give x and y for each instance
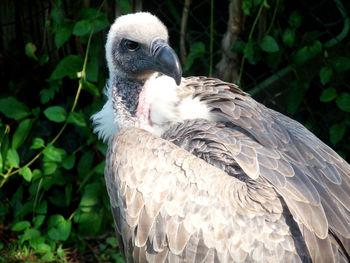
(131, 45)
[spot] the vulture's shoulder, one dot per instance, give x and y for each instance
(312, 179)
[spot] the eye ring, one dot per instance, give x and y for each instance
(131, 45)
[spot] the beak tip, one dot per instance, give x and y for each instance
(166, 60)
(178, 80)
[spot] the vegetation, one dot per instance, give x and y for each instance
(53, 202)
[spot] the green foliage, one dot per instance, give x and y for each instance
(68, 66)
(288, 37)
(295, 19)
(63, 32)
(341, 64)
(55, 113)
(325, 75)
(30, 50)
(197, 50)
(51, 183)
(343, 101)
(269, 44)
(337, 132)
(296, 96)
(305, 64)
(13, 109)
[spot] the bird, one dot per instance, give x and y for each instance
(198, 171)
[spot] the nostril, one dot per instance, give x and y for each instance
(156, 49)
(157, 44)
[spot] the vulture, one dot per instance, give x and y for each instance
(198, 171)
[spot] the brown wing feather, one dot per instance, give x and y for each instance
(311, 177)
(205, 215)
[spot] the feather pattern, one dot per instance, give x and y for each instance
(267, 202)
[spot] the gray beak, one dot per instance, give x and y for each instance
(166, 61)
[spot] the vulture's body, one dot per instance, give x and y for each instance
(198, 171)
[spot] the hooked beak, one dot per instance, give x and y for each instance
(166, 60)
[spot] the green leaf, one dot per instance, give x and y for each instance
(49, 168)
(60, 251)
(5, 145)
(59, 228)
(43, 59)
(46, 95)
(85, 163)
(43, 248)
(269, 44)
(56, 113)
(295, 19)
(13, 109)
(341, 64)
(30, 49)
(101, 22)
(68, 66)
(41, 208)
(125, 6)
(96, 20)
(112, 241)
(21, 133)
(36, 174)
(238, 46)
(13, 158)
(53, 154)
(29, 234)
(48, 257)
(306, 53)
(68, 162)
(90, 87)
(38, 220)
(76, 118)
(315, 48)
(273, 60)
(92, 69)
(248, 50)
(37, 144)
(99, 169)
(296, 96)
(34, 243)
(82, 27)
(91, 195)
(1, 163)
(343, 101)
(20, 226)
(246, 6)
(54, 220)
(57, 13)
(197, 49)
(266, 4)
(325, 75)
(328, 95)
(63, 32)
(337, 132)
(26, 173)
(90, 223)
(288, 37)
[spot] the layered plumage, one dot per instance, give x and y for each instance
(201, 172)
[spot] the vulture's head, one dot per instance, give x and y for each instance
(144, 88)
(137, 46)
